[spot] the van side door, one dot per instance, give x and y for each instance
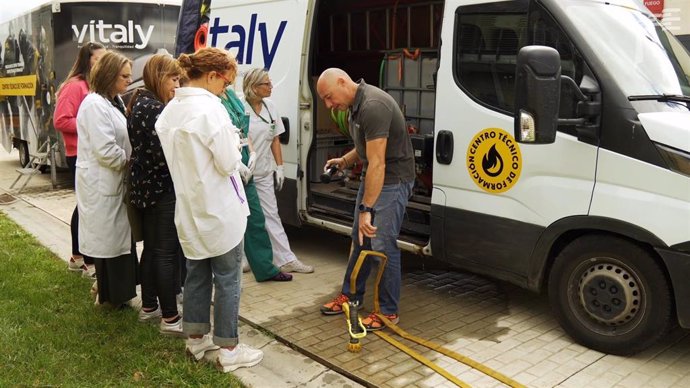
(269, 34)
(498, 196)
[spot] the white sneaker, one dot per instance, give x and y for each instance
(246, 268)
(173, 329)
(75, 265)
(242, 356)
(179, 298)
(89, 271)
(150, 316)
(135, 303)
(297, 266)
(196, 347)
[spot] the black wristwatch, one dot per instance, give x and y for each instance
(366, 209)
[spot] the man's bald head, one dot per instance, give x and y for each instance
(336, 88)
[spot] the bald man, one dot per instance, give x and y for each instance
(383, 146)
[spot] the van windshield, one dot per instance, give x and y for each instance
(644, 56)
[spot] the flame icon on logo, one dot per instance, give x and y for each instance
(492, 163)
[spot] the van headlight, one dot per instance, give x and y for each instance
(677, 160)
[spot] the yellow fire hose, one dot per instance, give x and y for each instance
(357, 331)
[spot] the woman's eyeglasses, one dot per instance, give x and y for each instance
(227, 81)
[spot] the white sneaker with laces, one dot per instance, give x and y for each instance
(75, 265)
(243, 356)
(297, 266)
(172, 329)
(149, 316)
(196, 347)
(89, 271)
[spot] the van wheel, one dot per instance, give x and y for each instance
(23, 153)
(610, 295)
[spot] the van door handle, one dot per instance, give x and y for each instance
(285, 136)
(444, 147)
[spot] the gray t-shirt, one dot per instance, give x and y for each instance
(375, 115)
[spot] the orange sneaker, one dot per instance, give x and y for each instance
(335, 306)
(373, 322)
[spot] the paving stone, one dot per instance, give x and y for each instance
(536, 356)
(547, 381)
(355, 365)
(663, 380)
(635, 379)
(653, 366)
(404, 366)
(543, 368)
(525, 378)
(579, 380)
(405, 380)
(562, 356)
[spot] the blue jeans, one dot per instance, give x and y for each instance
(389, 213)
(225, 271)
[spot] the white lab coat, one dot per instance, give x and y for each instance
(201, 147)
(262, 134)
(103, 150)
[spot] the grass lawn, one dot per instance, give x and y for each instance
(51, 334)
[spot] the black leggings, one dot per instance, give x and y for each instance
(74, 222)
(160, 261)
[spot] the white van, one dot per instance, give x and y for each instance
(597, 213)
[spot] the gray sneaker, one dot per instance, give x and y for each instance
(297, 266)
(196, 347)
(243, 356)
(150, 316)
(172, 329)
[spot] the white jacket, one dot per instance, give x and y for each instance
(262, 134)
(103, 150)
(201, 146)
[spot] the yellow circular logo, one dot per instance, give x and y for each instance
(494, 161)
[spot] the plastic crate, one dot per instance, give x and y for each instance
(328, 146)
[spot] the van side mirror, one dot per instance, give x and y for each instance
(537, 94)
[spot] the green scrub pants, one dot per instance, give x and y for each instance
(257, 245)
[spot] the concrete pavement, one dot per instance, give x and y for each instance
(504, 327)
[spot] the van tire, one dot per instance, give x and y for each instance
(610, 294)
(23, 148)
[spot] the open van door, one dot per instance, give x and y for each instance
(269, 34)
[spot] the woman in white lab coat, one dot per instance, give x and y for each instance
(265, 125)
(103, 151)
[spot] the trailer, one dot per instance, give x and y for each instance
(39, 48)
